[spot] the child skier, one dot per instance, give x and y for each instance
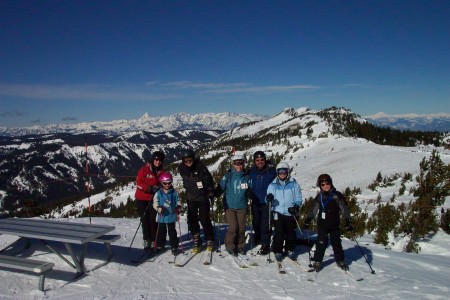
(329, 204)
(167, 203)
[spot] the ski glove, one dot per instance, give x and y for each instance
(153, 189)
(294, 210)
(249, 194)
(348, 226)
(160, 209)
(269, 198)
(177, 210)
(307, 223)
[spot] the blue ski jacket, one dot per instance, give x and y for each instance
(169, 201)
(286, 194)
(235, 184)
(260, 181)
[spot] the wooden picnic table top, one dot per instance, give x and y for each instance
(50, 230)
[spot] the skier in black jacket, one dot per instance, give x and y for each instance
(329, 204)
(199, 185)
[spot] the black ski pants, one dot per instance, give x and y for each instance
(198, 211)
(285, 233)
(322, 243)
(163, 229)
(260, 222)
(148, 219)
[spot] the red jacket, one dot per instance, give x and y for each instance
(144, 181)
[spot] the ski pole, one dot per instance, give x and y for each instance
(270, 227)
(213, 216)
(309, 250)
(157, 232)
(140, 222)
(251, 226)
(181, 237)
(367, 261)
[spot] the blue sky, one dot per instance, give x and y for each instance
(76, 61)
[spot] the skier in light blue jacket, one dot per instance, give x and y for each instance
(285, 196)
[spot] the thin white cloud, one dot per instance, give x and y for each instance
(78, 92)
(240, 87)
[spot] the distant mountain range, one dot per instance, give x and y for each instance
(413, 122)
(179, 121)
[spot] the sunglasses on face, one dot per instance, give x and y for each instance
(166, 183)
(188, 160)
(260, 160)
(325, 183)
(283, 171)
(238, 163)
(158, 159)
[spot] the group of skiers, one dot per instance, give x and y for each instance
(275, 199)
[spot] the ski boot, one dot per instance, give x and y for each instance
(209, 245)
(264, 250)
(278, 256)
(241, 251)
(197, 244)
(231, 251)
(291, 255)
(147, 245)
(316, 266)
(342, 265)
(174, 251)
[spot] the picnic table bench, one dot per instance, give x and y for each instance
(46, 231)
(40, 268)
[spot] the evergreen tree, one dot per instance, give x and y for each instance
(433, 186)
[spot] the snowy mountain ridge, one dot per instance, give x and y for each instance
(179, 121)
(419, 122)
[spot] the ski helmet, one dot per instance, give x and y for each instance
(324, 178)
(238, 157)
(283, 167)
(188, 153)
(165, 177)
(159, 155)
(259, 154)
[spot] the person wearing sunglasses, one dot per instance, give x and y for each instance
(147, 184)
(285, 196)
(235, 185)
(199, 185)
(262, 173)
(167, 203)
(329, 205)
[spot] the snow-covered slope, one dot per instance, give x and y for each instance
(397, 275)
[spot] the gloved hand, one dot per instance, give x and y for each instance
(153, 189)
(249, 194)
(348, 226)
(269, 198)
(211, 200)
(307, 223)
(160, 209)
(178, 210)
(294, 210)
(218, 191)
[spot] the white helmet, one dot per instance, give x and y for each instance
(283, 168)
(282, 165)
(238, 157)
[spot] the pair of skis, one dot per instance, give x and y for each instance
(206, 258)
(243, 261)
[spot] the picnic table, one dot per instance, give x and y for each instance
(68, 233)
